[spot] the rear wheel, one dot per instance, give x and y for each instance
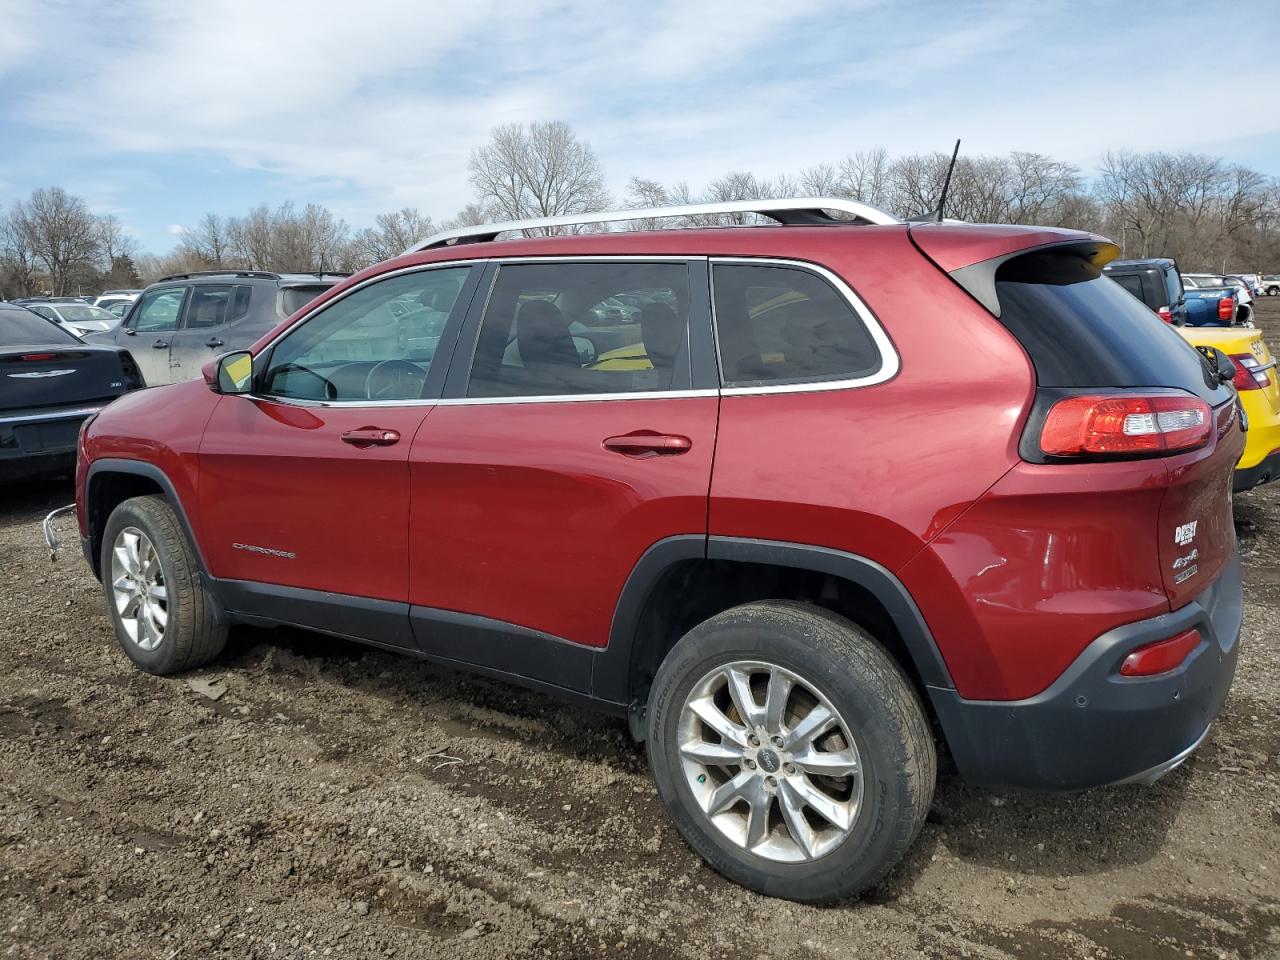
(162, 614)
(790, 750)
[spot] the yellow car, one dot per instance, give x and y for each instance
(1259, 391)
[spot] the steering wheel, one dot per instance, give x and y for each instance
(394, 380)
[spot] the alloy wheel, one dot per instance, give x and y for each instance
(138, 588)
(770, 762)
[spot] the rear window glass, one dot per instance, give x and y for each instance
(1081, 330)
(1131, 282)
(293, 299)
(19, 328)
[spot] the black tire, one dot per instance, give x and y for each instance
(192, 637)
(865, 686)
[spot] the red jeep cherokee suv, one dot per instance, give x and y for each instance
(798, 500)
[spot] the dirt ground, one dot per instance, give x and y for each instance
(339, 801)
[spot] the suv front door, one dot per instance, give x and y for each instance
(304, 484)
(566, 445)
(148, 332)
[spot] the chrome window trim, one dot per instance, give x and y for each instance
(890, 363)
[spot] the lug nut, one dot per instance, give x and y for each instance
(777, 741)
(790, 768)
(772, 781)
(751, 764)
(753, 740)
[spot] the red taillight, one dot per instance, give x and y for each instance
(1160, 657)
(1125, 425)
(1250, 374)
(1226, 308)
(1165, 314)
(38, 356)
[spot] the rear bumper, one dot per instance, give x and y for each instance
(1246, 478)
(1095, 727)
(33, 443)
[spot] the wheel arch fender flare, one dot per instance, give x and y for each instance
(138, 468)
(611, 677)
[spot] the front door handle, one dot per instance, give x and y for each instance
(213, 342)
(160, 344)
(371, 437)
(643, 444)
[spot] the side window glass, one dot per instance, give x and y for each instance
(208, 306)
(786, 325)
(158, 310)
(562, 329)
(239, 307)
(375, 344)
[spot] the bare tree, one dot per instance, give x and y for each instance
(18, 265)
(391, 235)
(64, 236)
(538, 170)
(209, 242)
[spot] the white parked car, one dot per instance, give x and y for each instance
(110, 298)
(78, 318)
(1270, 284)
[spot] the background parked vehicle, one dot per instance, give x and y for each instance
(181, 322)
(1208, 284)
(1270, 285)
(79, 318)
(49, 383)
(1157, 284)
(782, 641)
(111, 298)
(1259, 390)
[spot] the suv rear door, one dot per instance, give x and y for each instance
(549, 467)
(211, 312)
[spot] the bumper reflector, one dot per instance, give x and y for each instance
(1161, 656)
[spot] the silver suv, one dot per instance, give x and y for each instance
(182, 321)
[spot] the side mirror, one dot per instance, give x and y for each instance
(231, 373)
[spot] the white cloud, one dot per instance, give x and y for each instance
(177, 229)
(378, 107)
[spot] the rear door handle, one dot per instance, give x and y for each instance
(160, 344)
(371, 437)
(643, 444)
(213, 342)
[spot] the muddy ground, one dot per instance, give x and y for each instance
(339, 801)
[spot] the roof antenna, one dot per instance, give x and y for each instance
(946, 184)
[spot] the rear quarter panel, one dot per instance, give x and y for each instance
(879, 470)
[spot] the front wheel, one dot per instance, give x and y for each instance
(791, 751)
(162, 614)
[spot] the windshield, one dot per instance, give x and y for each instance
(23, 328)
(74, 312)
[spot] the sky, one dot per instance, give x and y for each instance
(158, 112)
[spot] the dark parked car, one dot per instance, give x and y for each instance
(801, 529)
(1156, 283)
(183, 321)
(49, 383)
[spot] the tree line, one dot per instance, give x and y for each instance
(1210, 214)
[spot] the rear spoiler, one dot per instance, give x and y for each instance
(972, 256)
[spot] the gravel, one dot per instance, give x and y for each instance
(332, 800)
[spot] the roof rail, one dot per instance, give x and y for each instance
(229, 272)
(796, 211)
